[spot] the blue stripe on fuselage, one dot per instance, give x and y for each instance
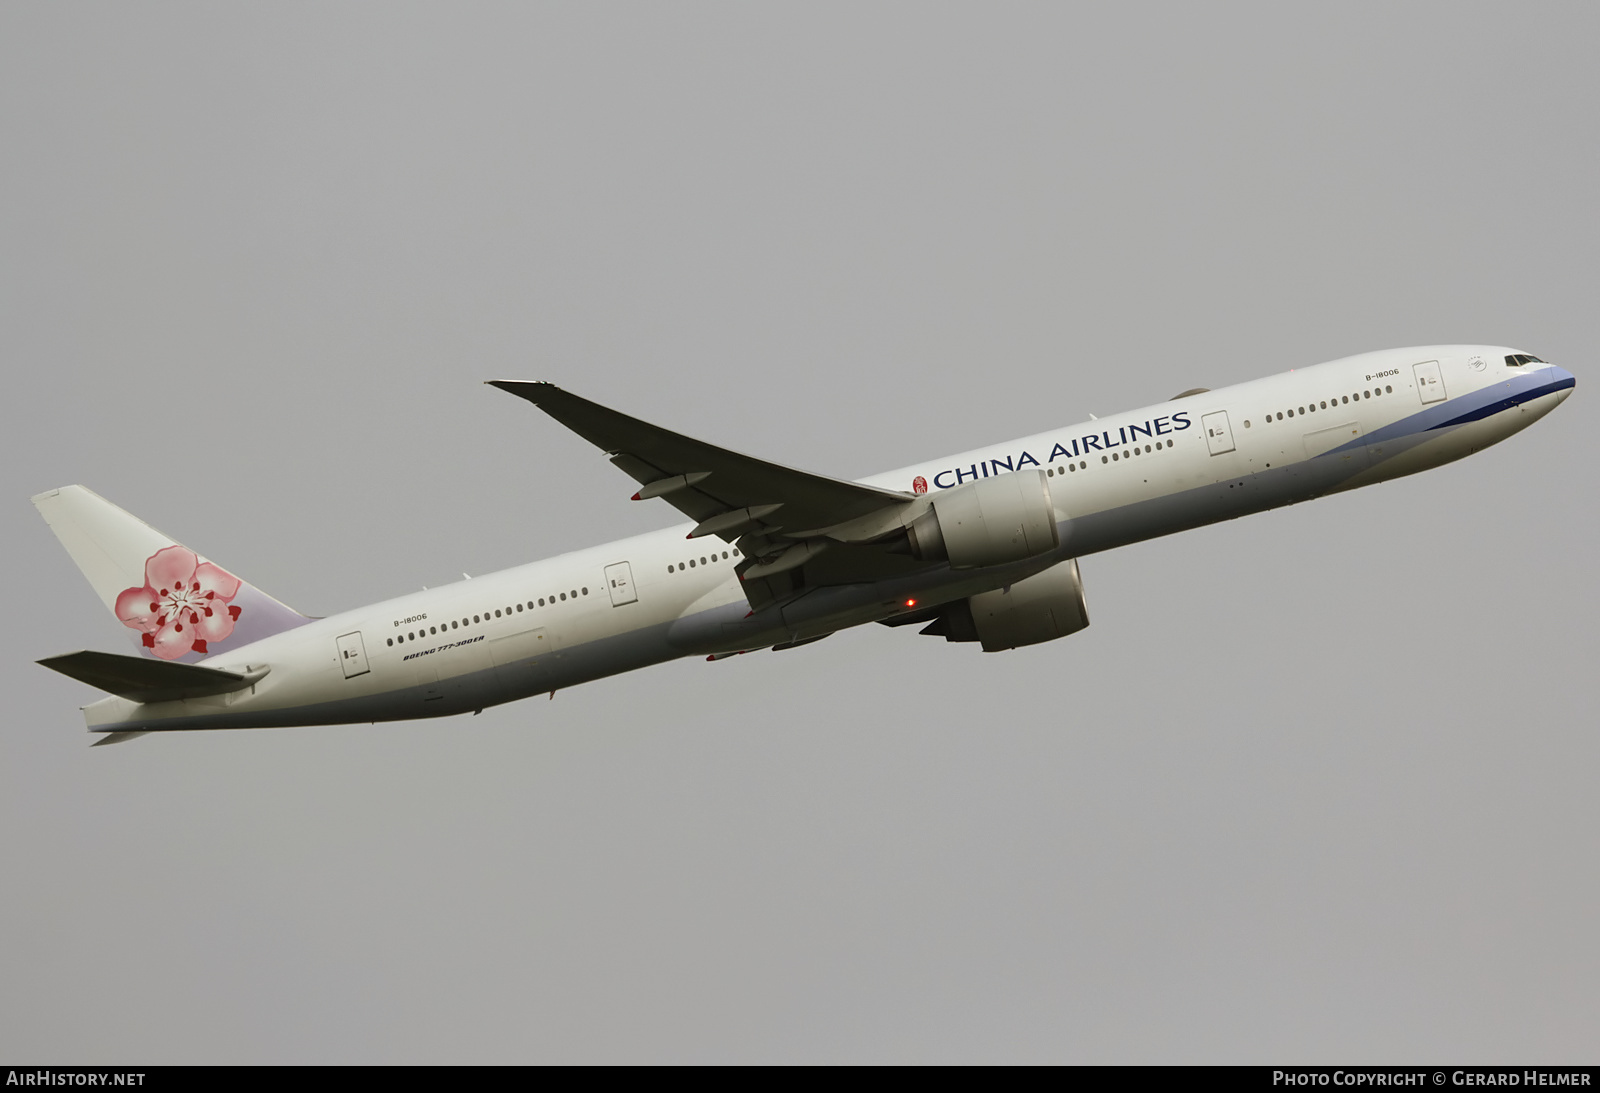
(1475, 406)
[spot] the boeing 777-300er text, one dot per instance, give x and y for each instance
(980, 547)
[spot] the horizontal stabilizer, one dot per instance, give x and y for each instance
(144, 680)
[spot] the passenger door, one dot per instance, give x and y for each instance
(1219, 436)
(352, 655)
(619, 582)
(1430, 384)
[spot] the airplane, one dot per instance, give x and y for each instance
(979, 547)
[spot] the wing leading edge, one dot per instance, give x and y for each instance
(795, 529)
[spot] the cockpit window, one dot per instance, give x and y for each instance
(1517, 360)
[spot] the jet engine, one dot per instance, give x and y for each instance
(988, 522)
(1043, 607)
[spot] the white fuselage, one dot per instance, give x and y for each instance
(596, 612)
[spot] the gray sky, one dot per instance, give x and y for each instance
(1316, 785)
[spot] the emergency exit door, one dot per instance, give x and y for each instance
(619, 582)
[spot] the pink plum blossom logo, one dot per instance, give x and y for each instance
(919, 484)
(183, 604)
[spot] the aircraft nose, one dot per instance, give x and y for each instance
(1563, 382)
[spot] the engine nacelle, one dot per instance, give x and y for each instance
(1044, 607)
(992, 521)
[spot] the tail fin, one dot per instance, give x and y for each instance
(181, 605)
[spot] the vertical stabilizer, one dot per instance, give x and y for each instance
(179, 605)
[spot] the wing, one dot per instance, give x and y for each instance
(795, 529)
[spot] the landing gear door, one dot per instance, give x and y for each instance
(352, 655)
(1430, 384)
(1219, 437)
(619, 581)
